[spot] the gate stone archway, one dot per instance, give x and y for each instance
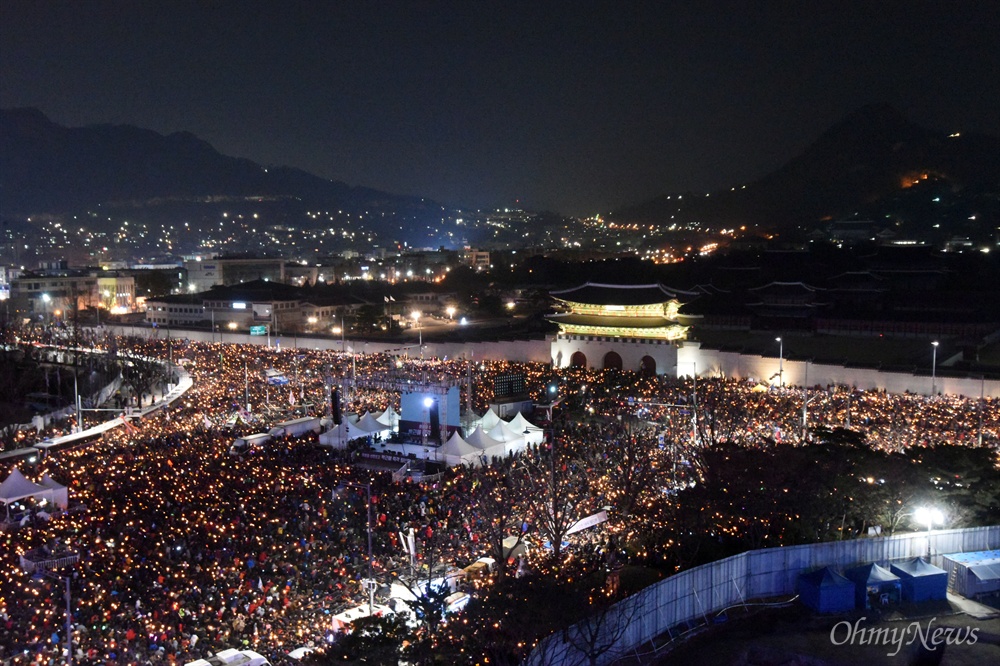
(578, 360)
(647, 366)
(612, 361)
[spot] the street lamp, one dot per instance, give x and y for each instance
(368, 584)
(934, 346)
(781, 362)
(929, 517)
(420, 332)
(46, 299)
(451, 311)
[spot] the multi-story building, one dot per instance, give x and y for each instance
(203, 274)
(50, 297)
(115, 293)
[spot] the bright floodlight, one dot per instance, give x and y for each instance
(929, 517)
(415, 314)
(777, 339)
(428, 402)
(935, 343)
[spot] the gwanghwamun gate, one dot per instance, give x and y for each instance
(642, 328)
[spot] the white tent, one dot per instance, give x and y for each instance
(513, 441)
(336, 437)
(487, 446)
(457, 451)
(367, 425)
(60, 493)
(489, 420)
(17, 487)
(532, 433)
(389, 418)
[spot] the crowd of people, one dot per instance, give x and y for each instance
(185, 548)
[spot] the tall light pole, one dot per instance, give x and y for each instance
(927, 516)
(694, 396)
(934, 346)
(781, 362)
(982, 404)
(46, 299)
(420, 332)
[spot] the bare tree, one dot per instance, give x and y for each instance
(600, 637)
(139, 373)
(495, 498)
(556, 490)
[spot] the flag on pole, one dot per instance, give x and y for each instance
(291, 397)
(208, 421)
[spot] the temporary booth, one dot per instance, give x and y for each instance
(514, 442)
(60, 494)
(488, 447)
(920, 580)
(874, 586)
(826, 591)
(456, 451)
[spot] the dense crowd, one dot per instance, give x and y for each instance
(184, 548)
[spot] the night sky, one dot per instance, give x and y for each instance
(577, 107)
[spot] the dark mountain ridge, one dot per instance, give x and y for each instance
(867, 165)
(48, 168)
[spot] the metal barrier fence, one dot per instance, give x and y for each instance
(691, 597)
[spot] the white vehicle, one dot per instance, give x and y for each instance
(296, 427)
(232, 658)
(246, 444)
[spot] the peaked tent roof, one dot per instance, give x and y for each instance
(490, 419)
(482, 441)
(825, 577)
(368, 423)
(871, 573)
(17, 487)
(916, 567)
(389, 417)
(336, 436)
(503, 432)
(519, 423)
(456, 446)
(60, 493)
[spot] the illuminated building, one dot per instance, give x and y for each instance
(625, 327)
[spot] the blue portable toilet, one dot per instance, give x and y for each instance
(921, 580)
(826, 591)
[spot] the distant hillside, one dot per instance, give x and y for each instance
(875, 164)
(48, 168)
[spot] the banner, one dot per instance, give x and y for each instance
(589, 521)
